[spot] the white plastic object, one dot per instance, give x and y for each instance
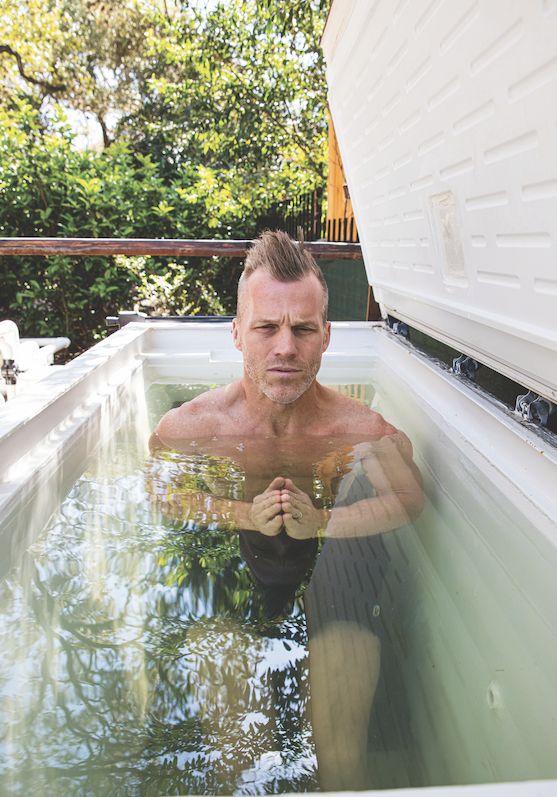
(446, 113)
(9, 340)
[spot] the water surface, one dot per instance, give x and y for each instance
(144, 653)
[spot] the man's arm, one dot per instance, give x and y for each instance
(389, 467)
(399, 499)
(181, 425)
(178, 503)
(264, 514)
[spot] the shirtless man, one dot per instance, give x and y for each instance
(285, 418)
(279, 425)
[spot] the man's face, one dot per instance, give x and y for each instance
(281, 334)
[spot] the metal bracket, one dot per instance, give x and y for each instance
(399, 327)
(124, 317)
(465, 366)
(534, 408)
(9, 372)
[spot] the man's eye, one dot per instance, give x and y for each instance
(303, 329)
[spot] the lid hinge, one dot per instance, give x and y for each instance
(398, 327)
(465, 366)
(534, 408)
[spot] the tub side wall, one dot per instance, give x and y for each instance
(477, 642)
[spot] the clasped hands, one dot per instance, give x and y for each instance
(284, 506)
(281, 506)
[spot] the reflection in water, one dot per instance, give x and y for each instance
(349, 605)
(135, 661)
(143, 654)
(148, 649)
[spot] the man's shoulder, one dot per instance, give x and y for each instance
(353, 417)
(200, 417)
(373, 429)
(359, 419)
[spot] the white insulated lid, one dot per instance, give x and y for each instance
(446, 117)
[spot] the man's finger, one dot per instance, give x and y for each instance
(289, 485)
(286, 506)
(269, 512)
(266, 497)
(276, 484)
(273, 526)
(273, 500)
(289, 506)
(293, 524)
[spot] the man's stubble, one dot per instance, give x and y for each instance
(282, 394)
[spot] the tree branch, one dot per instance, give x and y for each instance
(52, 88)
(292, 132)
(104, 128)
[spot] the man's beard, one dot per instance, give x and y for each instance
(282, 393)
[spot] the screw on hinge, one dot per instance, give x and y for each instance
(523, 403)
(401, 328)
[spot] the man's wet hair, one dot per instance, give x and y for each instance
(285, 260)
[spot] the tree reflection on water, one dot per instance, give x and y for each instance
(138, 659)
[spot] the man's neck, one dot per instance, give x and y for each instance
(280, 420)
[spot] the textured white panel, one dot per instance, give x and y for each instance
(446, 115)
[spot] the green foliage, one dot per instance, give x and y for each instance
(210, 113)
(243, 91)
(86, 54)
(50, 189)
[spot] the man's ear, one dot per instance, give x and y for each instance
(326, 336)
(236, 334)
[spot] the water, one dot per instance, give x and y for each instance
(145, 651)
(135, 659)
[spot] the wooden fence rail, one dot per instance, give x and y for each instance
(322, 250)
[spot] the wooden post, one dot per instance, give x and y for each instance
(373, 311)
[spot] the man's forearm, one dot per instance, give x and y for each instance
(371, 516)
(229, 513)
(205, 508)
(241, 515)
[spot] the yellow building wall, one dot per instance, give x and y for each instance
(339, 206)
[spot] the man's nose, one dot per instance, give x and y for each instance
(284, 342)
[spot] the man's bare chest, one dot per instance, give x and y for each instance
(312, 463)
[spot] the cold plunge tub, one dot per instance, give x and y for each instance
(99, 645)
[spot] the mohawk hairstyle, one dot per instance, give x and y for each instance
(285, 260)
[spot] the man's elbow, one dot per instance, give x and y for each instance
(414, 503)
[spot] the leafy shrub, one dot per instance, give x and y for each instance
(50, 189)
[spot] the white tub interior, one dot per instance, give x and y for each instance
(476, 577)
